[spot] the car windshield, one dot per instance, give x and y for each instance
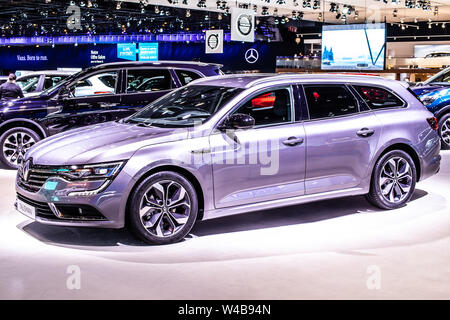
(185, 106)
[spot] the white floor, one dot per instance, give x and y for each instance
(335, 249)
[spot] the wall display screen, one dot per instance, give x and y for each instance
(432, 51)
(354, 47)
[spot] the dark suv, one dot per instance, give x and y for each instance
(99, 94)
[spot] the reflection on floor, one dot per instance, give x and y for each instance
(326, 250)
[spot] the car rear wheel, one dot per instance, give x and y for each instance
(164, 208)
(14, 144)
(393, 180)
(444, 131)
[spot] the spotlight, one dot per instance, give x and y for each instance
(188, 13)
(345, 10)
(316, 4)
(265, 11)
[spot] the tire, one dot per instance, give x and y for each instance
(444, 131)
(162, 224)
(13, 148)
(392, 188)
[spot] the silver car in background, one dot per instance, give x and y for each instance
(234, 144)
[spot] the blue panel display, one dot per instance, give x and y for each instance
(148, 51)
(126, 51)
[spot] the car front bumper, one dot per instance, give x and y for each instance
(53, 205)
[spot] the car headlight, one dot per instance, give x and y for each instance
(431, 97)
(87, 172)
(86, 180)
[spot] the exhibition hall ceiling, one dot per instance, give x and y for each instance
(50, 17)
(350, 11)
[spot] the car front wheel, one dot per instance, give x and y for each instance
(163, 209)
(393, 180)
(444, 131)
(14, 144)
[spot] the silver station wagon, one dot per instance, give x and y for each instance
(233, 144)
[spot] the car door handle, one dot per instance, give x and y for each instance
(108, 105)
(365, 132)
(293, 141)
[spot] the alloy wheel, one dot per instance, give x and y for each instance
(165, 208)
(396, 179)
(445, 132)
(16, 145)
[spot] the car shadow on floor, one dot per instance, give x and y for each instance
(292, 215)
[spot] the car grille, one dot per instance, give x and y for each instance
(36, 178)
(42, 208)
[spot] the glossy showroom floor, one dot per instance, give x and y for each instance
(326, 250)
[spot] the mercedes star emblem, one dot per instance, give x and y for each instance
(252, 55)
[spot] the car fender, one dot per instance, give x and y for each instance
(443, 110)
(34, 123)
(382, 149)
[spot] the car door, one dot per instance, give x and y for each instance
(145, 85)
(265, 162)
(88, 100)
(342, 136)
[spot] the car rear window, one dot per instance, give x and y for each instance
(378, 98)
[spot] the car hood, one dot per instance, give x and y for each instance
(427, 89)
(111, 141)
(34, 101)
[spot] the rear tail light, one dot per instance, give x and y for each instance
(433, 123)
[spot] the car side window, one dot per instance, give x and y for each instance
(329, 101)
(186, 76)
(378, 98)
(446, 77)
(29, 84)
(51, 81)
(94, 85)
(148, 80)
(269, 107)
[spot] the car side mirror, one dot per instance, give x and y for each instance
(63, 93)
(238, 121)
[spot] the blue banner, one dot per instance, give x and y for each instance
(126, 51)
(148, 51)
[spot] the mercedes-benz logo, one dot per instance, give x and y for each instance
(244, 24)
(213, 41)
(26, 170)
(252, 55)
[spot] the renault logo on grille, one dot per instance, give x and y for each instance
(26, 170)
